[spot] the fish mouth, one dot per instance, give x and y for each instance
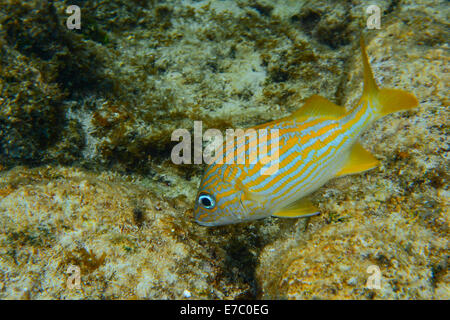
(217, 223)
(233, 218)
(203, 222)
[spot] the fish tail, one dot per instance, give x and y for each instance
(386, 100)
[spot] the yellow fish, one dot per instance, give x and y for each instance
(316, 143)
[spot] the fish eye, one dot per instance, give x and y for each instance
(206, 200)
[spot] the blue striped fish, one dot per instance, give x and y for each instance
(315, 144)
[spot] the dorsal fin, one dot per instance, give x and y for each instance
(370, 87)
(317, 106)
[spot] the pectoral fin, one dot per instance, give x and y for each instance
(301, 208)
(249, 195)
(359, 160)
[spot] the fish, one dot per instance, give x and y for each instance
(316, 143)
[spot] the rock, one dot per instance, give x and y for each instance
(127, 242)
(394, 217)
(331, 261)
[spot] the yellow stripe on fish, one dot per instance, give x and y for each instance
(314, 144)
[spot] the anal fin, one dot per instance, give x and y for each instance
(359, 160)
(299, 209)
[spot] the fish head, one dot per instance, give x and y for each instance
(218, 203)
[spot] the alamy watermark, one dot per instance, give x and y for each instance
(240, 146)
(74, 20)
(374, 280)
(74, 279)
(374, 20)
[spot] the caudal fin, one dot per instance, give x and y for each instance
(392, 100)
(387, 100)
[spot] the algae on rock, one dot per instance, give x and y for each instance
(127, 242)
(396, 216)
